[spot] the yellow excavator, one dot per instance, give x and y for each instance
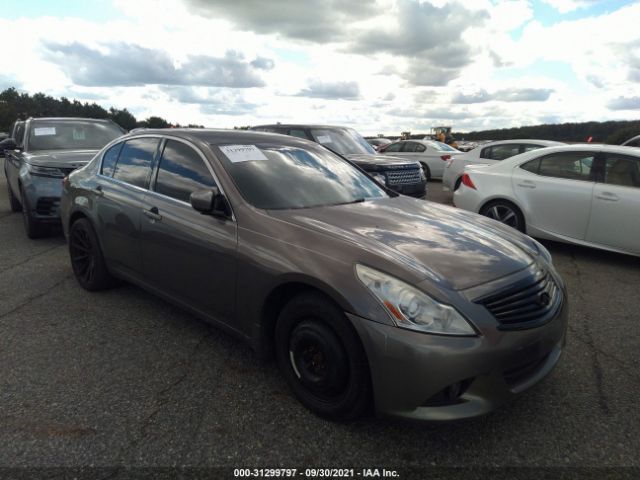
(443, 134)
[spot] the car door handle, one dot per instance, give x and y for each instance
(98, 191)
(153, 214)
(608, 196)
(527, 184)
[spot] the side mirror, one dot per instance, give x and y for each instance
(8, 144)
(210, 202)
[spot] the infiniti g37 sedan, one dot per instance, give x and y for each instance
(583, 194)
(366, 298)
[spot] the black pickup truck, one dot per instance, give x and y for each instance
(403, 176)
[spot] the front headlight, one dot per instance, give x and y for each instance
(45, 171)
(410, 308)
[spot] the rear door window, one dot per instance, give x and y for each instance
(569, 165)
(181, 172)
(622, 170)
(394, 147)
(109, 160)
(501, 152)
(134, 163)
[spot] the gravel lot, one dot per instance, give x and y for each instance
(123, 378)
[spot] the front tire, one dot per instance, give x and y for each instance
(86, 257)
(505, 212)
(14, 202)
(322, 359)
(427, 172)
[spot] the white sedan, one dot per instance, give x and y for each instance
(432, 155)
(488, 154)
(583, 194)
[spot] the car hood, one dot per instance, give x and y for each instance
(61, 158)
(378, 161)
(454, 248)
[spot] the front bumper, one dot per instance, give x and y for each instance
(43, 196)
(410, 370)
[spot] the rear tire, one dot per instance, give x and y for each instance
(322, 359)
(86, 257)
(32, 227)
(505, 212)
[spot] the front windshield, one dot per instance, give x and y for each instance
(280, 177)
(71, 135)
(345, 141)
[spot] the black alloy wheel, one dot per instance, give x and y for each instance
(504, 212)
(86, 257)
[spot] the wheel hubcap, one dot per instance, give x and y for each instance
(82, 254)
(318, 361)
(504, 214)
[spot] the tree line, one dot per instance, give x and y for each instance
(15, 105)
(611, 132)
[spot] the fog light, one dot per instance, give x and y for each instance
(449, 395)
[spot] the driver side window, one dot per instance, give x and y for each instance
(394, 147)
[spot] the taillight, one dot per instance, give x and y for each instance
(466, 180)
(444, 158)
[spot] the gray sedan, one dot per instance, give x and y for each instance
(365, 297)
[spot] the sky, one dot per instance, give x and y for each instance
(379, 66)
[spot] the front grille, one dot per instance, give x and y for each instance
(47, 206)
(405, 176)
(525, 306)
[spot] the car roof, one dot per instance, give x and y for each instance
(220, 136)
(523, 140)
(297, 125)
(631, 139)
(71, 119)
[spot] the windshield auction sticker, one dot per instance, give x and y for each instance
(42, 131)
(242, 153)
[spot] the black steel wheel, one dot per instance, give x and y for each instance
(504, 212)
(86, 257)
(322, 359)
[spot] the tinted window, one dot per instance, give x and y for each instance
(394, 147)
(634, 142)
(569, 165)
(298, 133)
(288, 177)
(342, 140)
(622, 170)
(501, 152)
(528, 147)
(134, 162)
(65, 134)
(420, 148)
(18, 135)
(181, 172)
(109, 160)
(531, 166)
(409, 147)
